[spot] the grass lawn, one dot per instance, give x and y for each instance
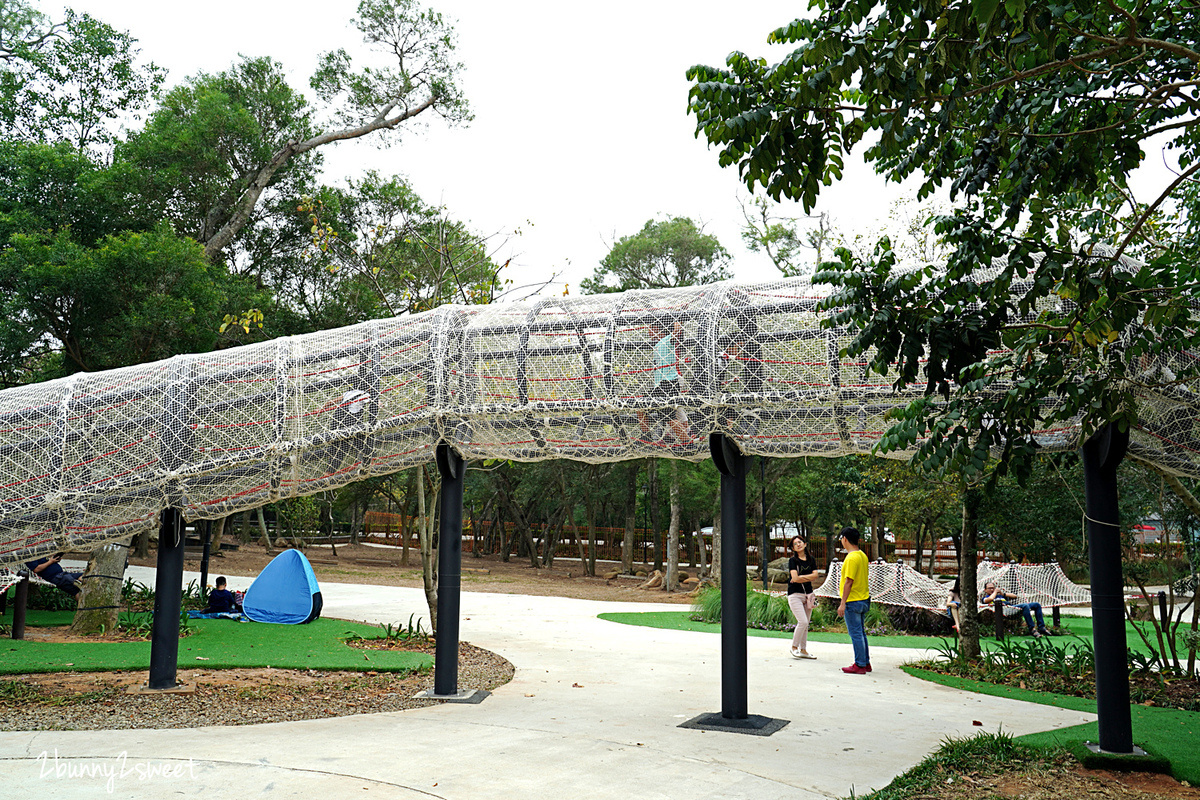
(1164, 732)
(681, 621)
(213, 644)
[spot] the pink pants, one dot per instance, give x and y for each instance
(802, 606)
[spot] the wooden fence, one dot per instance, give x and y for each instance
(386, 528)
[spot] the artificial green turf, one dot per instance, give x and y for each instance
(682, 621)
(1165, 732)
(220, 644)
(40, 619)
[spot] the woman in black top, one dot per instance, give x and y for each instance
(802, 572)
(954, 604)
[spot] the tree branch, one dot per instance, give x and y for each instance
(245, 204)
(1183, 176)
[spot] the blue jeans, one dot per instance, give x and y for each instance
(856, 613)
(1036, 608)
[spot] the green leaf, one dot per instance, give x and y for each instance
(983, 11)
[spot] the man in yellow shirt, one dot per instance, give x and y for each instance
(856, 600)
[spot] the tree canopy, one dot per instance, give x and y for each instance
(1032, 115)
(663, 254)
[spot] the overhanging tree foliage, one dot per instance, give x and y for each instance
(1032, 114)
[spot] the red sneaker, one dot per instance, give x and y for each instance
(855, 669)
(867, 668)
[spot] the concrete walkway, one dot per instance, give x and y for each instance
(592, 712)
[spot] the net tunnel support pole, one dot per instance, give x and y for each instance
(1102, 453)
(733, 467)
(452, 468)
(734, 716)
(168, 589)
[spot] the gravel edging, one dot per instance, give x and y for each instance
(228, 697)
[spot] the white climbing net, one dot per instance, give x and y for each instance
(10, 578)
(1033, 583)
(898, 584)
(96, 457)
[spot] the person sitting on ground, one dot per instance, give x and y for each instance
(954, 604)
(991, 594)
(48, 569)
(221, 600)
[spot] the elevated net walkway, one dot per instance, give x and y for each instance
(96, 457)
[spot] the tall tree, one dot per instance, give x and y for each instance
(245, 130)
(663, 254)
(88, 284)
(74, 82)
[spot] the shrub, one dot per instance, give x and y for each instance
(50, 598)
(769, 612)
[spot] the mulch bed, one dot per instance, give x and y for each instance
(99, 700)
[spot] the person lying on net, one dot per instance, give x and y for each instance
(48, 569)
(1028, 610)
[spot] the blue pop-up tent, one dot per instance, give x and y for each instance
(285, 591)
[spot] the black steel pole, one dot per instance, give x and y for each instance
(1101, 455)
(168, 591)
(445, 664)
(20, 602)
(733, 467)
(204, 560)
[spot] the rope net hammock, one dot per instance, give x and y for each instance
(96, 457)
(898, 584)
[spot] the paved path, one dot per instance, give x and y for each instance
(592, 712)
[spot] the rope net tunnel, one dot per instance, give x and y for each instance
(96, 457)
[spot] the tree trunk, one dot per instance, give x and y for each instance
(408, 521)
(578, 542)
(630, 520)
(701, 549)
(671, 581)
(589, 505)
(755, 533)
(428, 561)
(715, 568)
(218, 532)
(920, 544)
(100, 594)
(657, 535)
(262, 530)
(969, 633)
(357, 512)
(554, 526)
(141, 544)
(406, 525)
(244, 532)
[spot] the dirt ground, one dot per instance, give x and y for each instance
(1067, 780)
(383, 566)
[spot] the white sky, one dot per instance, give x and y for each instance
(580, 133)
